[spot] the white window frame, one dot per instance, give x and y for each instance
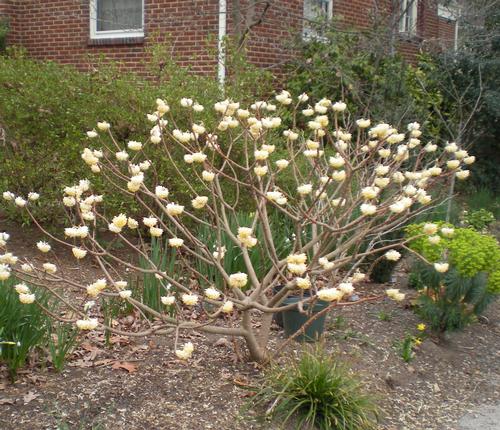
(112, 34)
(408, 10)
(448, 12)
(307, 32)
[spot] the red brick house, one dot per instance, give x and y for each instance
(68, 30)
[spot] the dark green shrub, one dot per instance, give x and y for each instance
(46, 109)
(451, 301)
(315, 391)
(382, 271)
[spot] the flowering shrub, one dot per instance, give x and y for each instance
(342, 185)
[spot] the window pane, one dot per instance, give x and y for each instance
(315, 9)
(119, 15)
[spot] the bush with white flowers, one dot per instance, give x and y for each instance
(342, 183)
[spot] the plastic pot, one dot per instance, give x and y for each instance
(293, 320)
(278, 316)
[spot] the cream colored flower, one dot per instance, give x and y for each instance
(392, 255)
(22, 289)
(134, 145)
(330, 294)
(125, 294)
(363, 123)
(161, 192)
(261, 155)
(462, 174)
(338, 175)
(447, 231)
(453, 164)
(168, 300)
(368, 209)
(369, 193)
(434, 240)
(189, 299)
(174, 209)
(339, 107)
(43, 246)
(430, 228)
(186, 352)
(175, 242)
(260, 170)
(303, 283)
(451, 147)
(469, 160)
(336, 161)
(150, 221)
(238, 280)
(304, 189)
(122, 156)
(346, 288)
(441, 267)
(227, 307)
(207, 176)
(199, 157)
(49, 268)
(132, 223)
(103, 126)
(155, 231)
(87, 324)
(212, 293)
(20, 202)
(199, 202)
(79, 253)
(4, 272)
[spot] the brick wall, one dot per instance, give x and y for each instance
(59, 30)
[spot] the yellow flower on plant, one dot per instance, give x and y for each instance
(421, 327)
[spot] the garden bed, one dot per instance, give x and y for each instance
(139, 384)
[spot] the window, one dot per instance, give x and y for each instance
(315, 11)
(116, 18)
(408, 17)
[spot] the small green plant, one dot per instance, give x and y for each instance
(62, 340)
(479, 219)
(164, 259)
(23, 326)
(410, 342)
(451, 301)
(384, 316)
(406, 348)
(315, 391)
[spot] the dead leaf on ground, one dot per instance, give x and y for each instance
(30, 396)
(6, 401)
(129, 367)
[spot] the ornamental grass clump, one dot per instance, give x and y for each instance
(315, 391)
(343, 186)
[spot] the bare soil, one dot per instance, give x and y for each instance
(139, 384)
